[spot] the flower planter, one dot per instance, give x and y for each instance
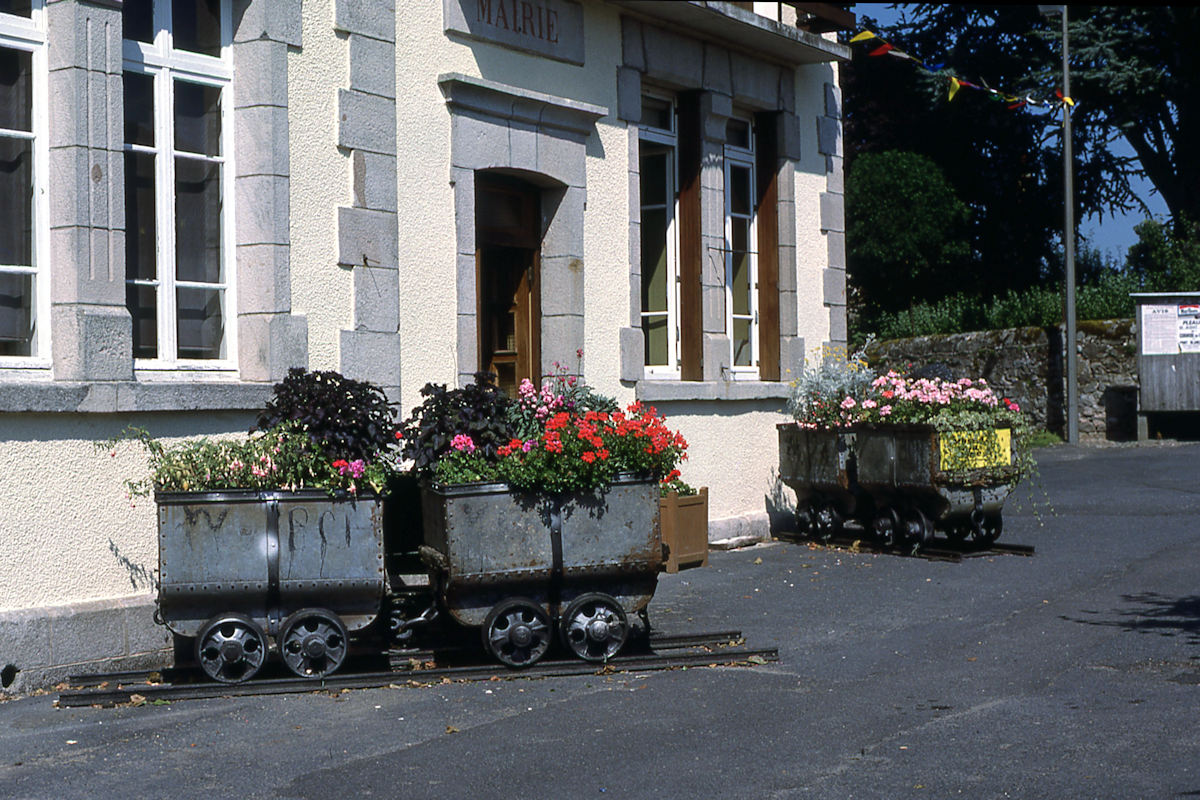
(485, 543)
(266, 554)
(684, 522)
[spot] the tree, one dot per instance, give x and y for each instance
(1134, 75)
(996, 160)
(896, 255)
(1162, 261)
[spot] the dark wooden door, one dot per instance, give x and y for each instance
(507, 250)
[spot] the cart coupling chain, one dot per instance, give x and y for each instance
(402, 629)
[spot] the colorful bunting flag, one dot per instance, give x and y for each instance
(1012, 102)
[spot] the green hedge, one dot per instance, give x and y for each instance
(1042, 307)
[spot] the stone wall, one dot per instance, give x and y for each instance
(1027, 365)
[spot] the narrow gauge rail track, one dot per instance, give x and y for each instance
(937, 550)
(119, 687)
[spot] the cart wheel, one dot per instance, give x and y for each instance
(806, 521)
(918, 530)
(313, 642)
(595, 627)
(828, 522)
(516, 632)
(231, 648)
(988, 531)
(957, 533)
(885, 526)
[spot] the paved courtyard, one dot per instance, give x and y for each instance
(1071, 674)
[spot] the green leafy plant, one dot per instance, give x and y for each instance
(284, 457)
(345, 418)
(573, 452)
(479, 411)
(815, 396)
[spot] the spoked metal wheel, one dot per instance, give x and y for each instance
(886, 527)
(987, 529)
(517, 632)
(595, 627)
(231, 648)
(313, 642)
(828, 522)
(918, 530)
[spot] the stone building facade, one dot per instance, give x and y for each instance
(197, 197)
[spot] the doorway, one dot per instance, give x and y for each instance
(507, 264)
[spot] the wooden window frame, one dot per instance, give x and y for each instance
(766, 142)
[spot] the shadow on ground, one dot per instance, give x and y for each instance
(1150, 612)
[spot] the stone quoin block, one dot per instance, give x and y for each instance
(374, 18)
(374, 180)
(632, 342)
(261, 141)
(276, 20)
(366, 122)
(264, 279)
(370, 66)
(263, 205)
(832, 213)
(829, 136)
(376, 298)
(365, 234)
(269, 345)
(260, 67)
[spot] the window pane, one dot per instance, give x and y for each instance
(656, 113)
(741, 343)
(201, 326)
(655, 330)
(16, 202)
(16, 89)
(737, 133)
(139, 109)
(655, 167)
(739, 284)
(21, 8)
(16, 315)
(140, 230)
(655, 274)
(197, 118)
(198, 221)
(137, 20)
(142, 302)
(739, 190)
(197, 26)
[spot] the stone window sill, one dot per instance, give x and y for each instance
(659, 391)
(51, 397)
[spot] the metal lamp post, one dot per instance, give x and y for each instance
(1068, 239)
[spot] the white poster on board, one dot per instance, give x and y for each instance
(1188, 316)
(1160, 330)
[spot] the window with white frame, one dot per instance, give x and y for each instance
(24, 291)
(741, 269)
(179, 182)
(659, 267)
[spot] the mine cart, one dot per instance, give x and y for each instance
(240, 568)
(523, 566)
(900, 482)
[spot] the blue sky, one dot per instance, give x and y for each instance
(1113, 235)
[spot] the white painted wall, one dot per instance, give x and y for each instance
(69, 531)
(320, 182)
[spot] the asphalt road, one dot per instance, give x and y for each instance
(1071, 674)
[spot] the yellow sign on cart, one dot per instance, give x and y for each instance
(975, 449)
